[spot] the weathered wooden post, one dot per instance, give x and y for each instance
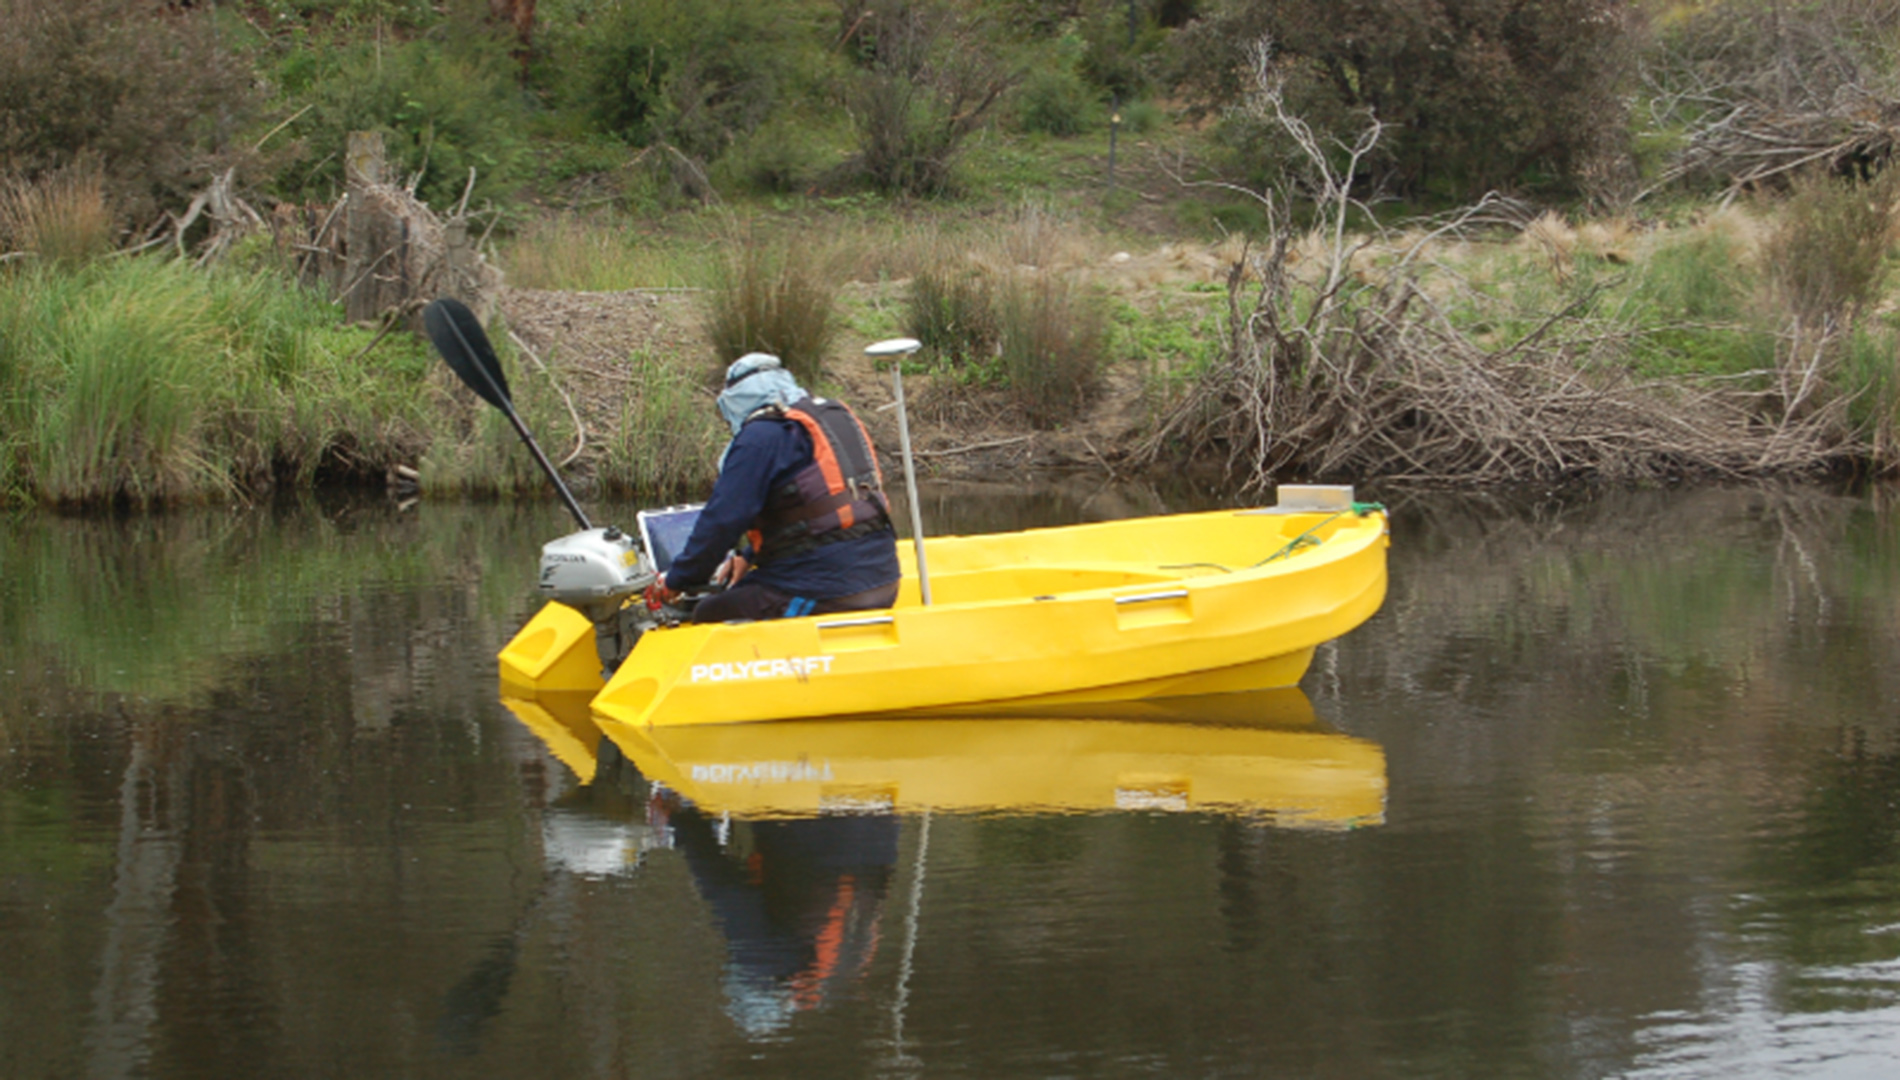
(365, 245)
(462, 264)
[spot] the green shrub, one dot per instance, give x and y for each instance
(445, 103)
(698, 77)
(1120, 48)
(1141, 117)
(1053, 100)
(929, 83)
(1475, 96)
(151, 93)
(773, 297)
(1827, 254)
(784, 156)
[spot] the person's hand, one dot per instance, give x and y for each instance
(658, 594)
(731, 570)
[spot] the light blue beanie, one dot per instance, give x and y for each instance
(754, 381)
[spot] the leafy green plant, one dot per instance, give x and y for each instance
(1177, 341)
(447, 105)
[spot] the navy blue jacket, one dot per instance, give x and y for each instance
(764, 456)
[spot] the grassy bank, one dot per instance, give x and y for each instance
(144, 380)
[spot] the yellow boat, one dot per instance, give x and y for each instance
(1260, 754)
(1021, 622)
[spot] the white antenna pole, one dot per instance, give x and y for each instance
(897, 349)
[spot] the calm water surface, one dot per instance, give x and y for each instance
(1610, 787)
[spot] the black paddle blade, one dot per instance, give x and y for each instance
(459, 337)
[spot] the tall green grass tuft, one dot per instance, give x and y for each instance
(1053, 336)
(1009, 309)
(146, 381)
(668, 438)
(953, 313)
(473, 449)
(1869, 373)
(774, 297)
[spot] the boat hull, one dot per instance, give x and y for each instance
(1050, 618)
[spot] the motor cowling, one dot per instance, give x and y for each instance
(594, 571)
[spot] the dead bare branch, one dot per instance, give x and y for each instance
(1335, 372)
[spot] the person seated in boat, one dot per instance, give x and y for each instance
(797, 522)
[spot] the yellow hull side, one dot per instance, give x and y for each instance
(1043, 618)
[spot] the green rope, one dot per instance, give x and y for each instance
(1306, 540)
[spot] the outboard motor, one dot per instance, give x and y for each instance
(594, 571)
(597, 572)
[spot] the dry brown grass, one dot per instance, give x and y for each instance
(63, 218)
(777, 296)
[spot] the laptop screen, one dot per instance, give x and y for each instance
(664, 532)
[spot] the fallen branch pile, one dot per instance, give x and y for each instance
(1337, 372)
(1758, 93)
(1398, 393)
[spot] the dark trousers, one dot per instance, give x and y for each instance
(749, 602)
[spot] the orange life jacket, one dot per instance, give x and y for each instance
(839, 496)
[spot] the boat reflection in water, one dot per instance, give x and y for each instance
(791, 828)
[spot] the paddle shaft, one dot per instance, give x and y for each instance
(548, 467)
(498, 394)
